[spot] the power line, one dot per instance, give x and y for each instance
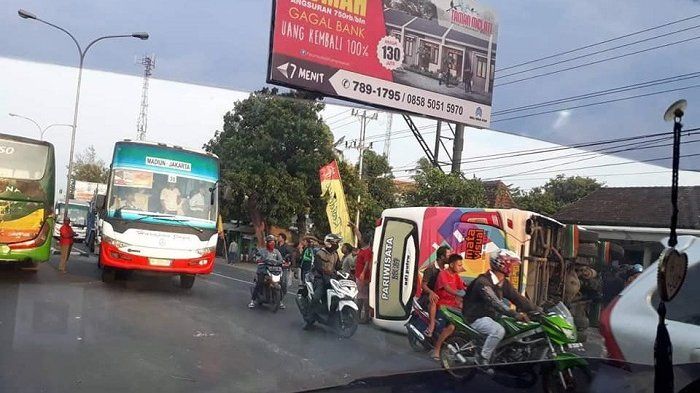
(597, 61)
(597, 103)
(601, 166)
(337, 114)
(597, 175)
(620, 89)
(599, 43)
(600, 51)
(526, 152)
(597, 156)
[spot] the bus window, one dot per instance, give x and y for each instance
(396, 268)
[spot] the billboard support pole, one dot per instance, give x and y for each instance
(457, 149)
(436, 160)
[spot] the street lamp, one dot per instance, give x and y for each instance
(82, 52)
(41, 130)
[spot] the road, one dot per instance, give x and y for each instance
(73, 333)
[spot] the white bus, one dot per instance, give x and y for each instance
(161, 211)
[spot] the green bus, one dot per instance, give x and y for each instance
(27, 177)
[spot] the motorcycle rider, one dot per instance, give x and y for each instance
(483, 302)
(263, 255)
(326, 263)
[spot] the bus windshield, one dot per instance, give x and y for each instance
(78, 214)
(20, 160)
(137, 193)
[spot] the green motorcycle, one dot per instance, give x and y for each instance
(547, 337)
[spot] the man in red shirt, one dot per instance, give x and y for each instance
(363, 270)
(66, 243)
(450, 288)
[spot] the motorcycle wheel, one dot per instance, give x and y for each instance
(415, 344)
(276, 299)
(346, 322)
(576, 379)
(448, 356)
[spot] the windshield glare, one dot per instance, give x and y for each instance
(19, 160)
(157, 193)
(77, 214)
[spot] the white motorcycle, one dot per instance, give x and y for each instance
(340, 310)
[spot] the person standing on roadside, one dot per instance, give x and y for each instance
(363, 270)
(307, 255)
(66, 242)
(348, 263)
(232, 252)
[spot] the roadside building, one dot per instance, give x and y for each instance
(637, 218)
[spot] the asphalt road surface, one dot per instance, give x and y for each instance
(74, 333)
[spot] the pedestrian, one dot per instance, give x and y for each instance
(66, 242)
(363, 271)
(348, 263)
(308, 255)
(232, 252)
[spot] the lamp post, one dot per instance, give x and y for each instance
(42, 131)
(81, 52)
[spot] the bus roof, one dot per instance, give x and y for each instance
(25, 140)
(196, 151)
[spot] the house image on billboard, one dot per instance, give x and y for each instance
(453, 53)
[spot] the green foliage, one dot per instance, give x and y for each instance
(88, 167)
(380, 189)
(435, 188)
(558, 192)
(271, 148)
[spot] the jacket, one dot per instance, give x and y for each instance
(326, 262)
(485, 299)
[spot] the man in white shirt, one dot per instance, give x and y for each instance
(170, 199)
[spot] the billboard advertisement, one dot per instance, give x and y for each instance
(85, 190)
(429, 57)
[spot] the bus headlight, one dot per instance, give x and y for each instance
(206, 250)
(114, 242)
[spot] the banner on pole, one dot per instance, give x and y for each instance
(336, 207)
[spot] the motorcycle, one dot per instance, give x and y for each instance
(547, 337)
(416, 327)
(272, 288)
(340, 309)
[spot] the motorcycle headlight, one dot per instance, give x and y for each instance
(570, 334)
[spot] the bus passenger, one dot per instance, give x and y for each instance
(170, 199)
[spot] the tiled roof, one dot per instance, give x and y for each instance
(635, 207)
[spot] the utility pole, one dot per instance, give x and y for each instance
(436, 152)
(364, 117)
(457, 149)
(387, 135)
(149, 64)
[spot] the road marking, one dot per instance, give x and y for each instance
(231, 278)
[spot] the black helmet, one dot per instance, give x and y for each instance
(331, 240)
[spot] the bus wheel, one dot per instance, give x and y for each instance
(108, 274)
(186, 280)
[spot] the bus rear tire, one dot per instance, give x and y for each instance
(186, 280)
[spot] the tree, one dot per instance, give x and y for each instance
(380, 188)
(271, 148)
(435, 188)
(89, 167)
(558, 192)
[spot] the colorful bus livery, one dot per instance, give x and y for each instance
(27, 176)
(161, 211)
(407, 239)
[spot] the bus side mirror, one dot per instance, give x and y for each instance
(100, 203)
(211, 200)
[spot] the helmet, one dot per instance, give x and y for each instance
(331, 240)
(503, 261)
(269, 238)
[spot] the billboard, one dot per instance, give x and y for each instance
(429, 57)
(85, 190)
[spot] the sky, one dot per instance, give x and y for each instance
(224, 44)
(188, 115)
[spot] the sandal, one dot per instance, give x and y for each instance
(435, 357)
(428, 333)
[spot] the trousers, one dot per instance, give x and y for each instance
(494, 333)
